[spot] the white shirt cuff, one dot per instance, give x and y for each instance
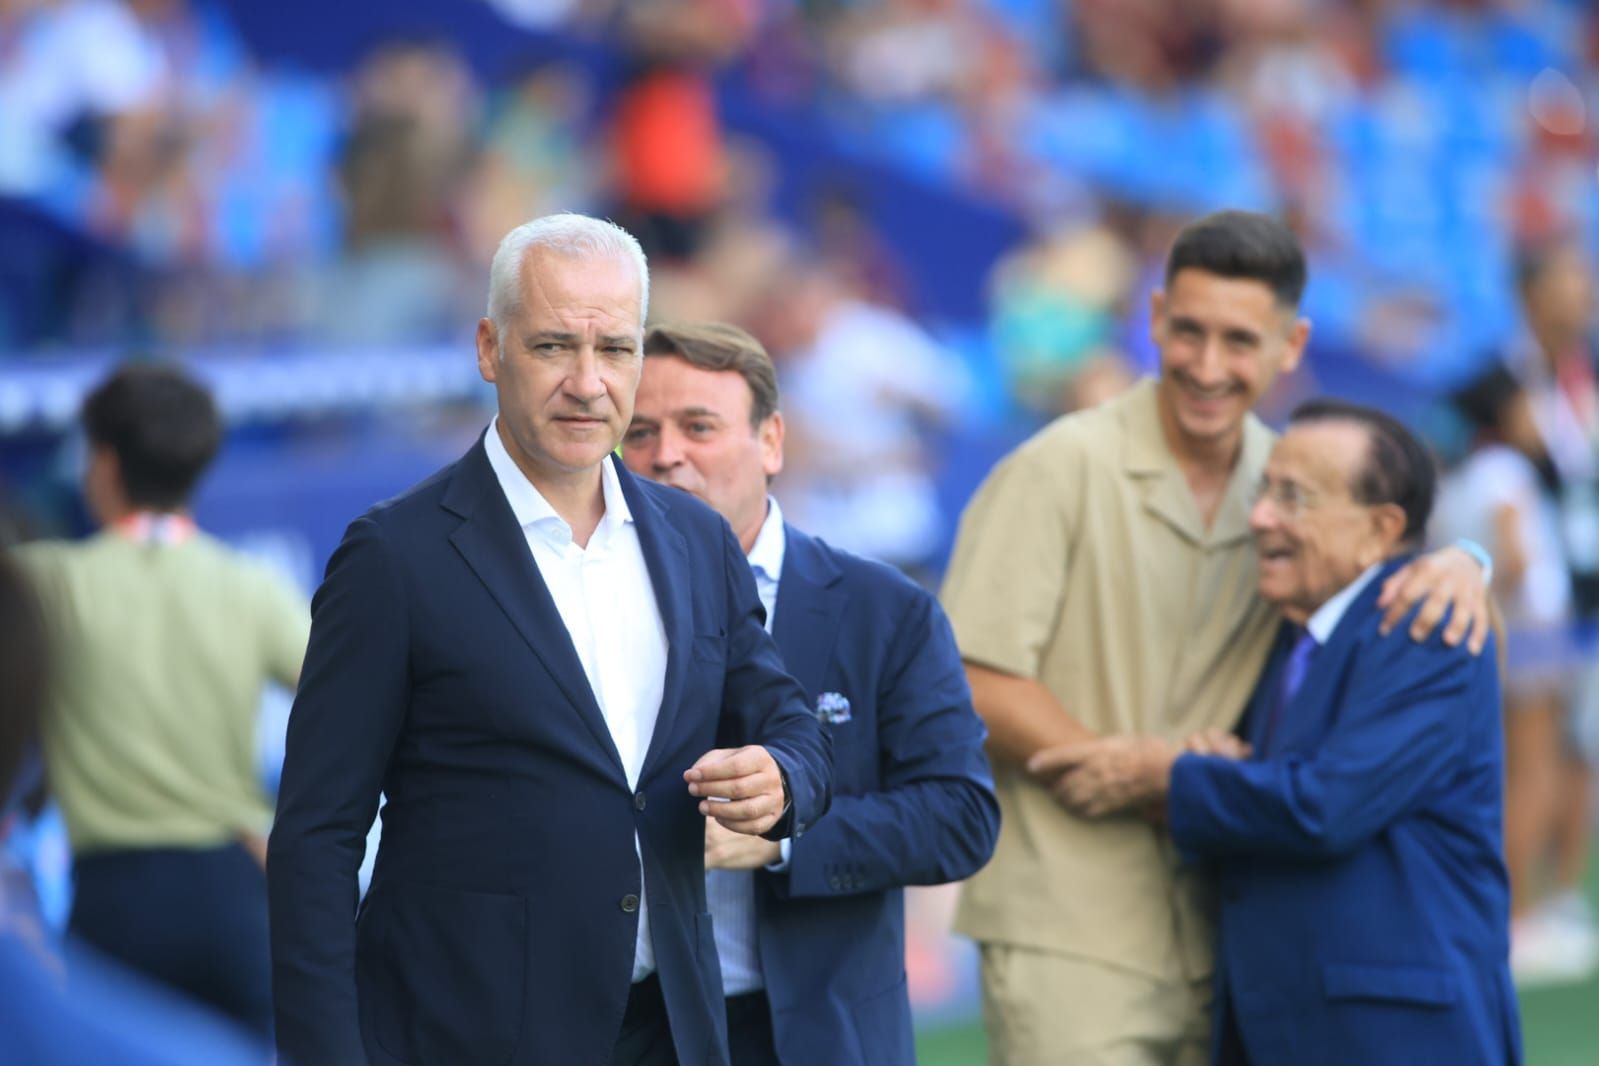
(781, 865)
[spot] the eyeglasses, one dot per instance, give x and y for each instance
(1288, 498)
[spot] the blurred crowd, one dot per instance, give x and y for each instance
(163, 186)
(223, 199)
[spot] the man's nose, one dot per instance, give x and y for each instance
(669, 451)
(1209, 368)
(1263, 514)
(584, 382)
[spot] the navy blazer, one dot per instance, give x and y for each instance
(913, 804)
(501, 919)
(1364, 901)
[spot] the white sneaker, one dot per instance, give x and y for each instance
(1556, 944)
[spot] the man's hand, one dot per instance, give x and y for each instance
(1446, 578)
(256, 845)
(1217, 742)
(1106, 776)
(747, 779)
(727, 850)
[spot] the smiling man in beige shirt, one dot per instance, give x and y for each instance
(1102, 586)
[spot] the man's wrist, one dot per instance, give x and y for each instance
(1480, 554)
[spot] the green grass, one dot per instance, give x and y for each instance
(1559, 1025)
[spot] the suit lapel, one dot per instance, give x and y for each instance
(495, 548)
(810, 605)
(666, 558)
(1266, 689)
(1306, 714)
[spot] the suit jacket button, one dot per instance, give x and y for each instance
(836, 883)
(638, 801)
(630, 903)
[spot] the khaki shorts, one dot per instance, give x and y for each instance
(1045, 1009)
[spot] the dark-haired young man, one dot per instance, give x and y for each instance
(164, 639)
(1102, 587)
(1365, 906)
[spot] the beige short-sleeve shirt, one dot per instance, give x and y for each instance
(1083, 562)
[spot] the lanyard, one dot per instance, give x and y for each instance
(156, 527)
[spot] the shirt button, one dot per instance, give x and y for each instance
(629, 903)
(639, 801)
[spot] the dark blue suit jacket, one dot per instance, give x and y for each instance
(498, 928)
(1364, 901)
(913, 805)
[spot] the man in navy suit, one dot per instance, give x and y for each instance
(1356, 835)
(531, 655)
(811, 932)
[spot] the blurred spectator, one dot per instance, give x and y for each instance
(1499, 498)
(409, 153)
(66, 1008)
(66, 68)
(1055, 306)
(535, 160)
(164, 640)
(862, 384)
(1558, 365)
(667, 134)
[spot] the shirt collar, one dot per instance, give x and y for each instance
(529, 505)
(1147, 455)
(766, 554)
(1321, 624)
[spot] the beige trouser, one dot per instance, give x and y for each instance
(1045, 1009)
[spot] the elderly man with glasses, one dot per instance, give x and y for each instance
(1354, 827)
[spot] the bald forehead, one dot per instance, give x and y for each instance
(1324, 454)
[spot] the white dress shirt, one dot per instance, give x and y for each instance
(607, 603)
(730, 894)
(1321, 624)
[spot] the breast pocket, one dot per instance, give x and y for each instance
(710, 647)
(444, 975)
(1415, 986)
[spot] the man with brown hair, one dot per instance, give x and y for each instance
(811, 932)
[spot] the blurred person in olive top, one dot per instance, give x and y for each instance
(811, 932)
(1103, 586)
(164, 641)
(63, 1005)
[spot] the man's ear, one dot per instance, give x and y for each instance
(1298, 337)
(1157, 315)
(1388, 521)
(488, 350)
(770, 434)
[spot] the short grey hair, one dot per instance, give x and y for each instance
(567, 234)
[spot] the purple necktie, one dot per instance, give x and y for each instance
(1288, 683)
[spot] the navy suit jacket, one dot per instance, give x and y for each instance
(1364, 901)
(501, 919)
(913, 805)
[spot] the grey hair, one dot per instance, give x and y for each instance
(567, 234)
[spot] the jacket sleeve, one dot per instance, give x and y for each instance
(342, 730)
(1402, 731)
(764, 705)
(935, 818)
